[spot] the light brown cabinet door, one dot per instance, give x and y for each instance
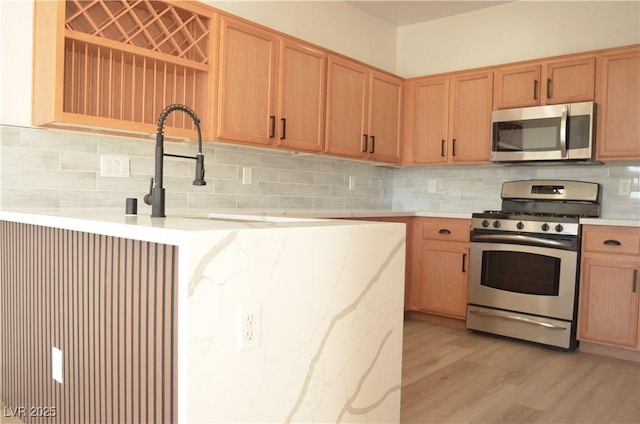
(444, 279)
(384, 117)
(431, 120)
(346, 108)
(302, 84)
(570, 81)
(517, 87)
(470, 117)
(609, 302)
(619, 105)
(247, 83)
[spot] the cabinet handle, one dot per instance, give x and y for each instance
(535, 89)
(444, 231)
(365, 138)
(373, 144)
(284, 128)
(453, 147)
(442, 148)
(464, 261)
(612, 242)
(548, 88)
(635, 281)
(272, 131)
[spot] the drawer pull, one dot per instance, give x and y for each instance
(612, 242)
(444, 231)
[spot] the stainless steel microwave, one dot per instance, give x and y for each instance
(551, 133)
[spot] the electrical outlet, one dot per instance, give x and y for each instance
(352, 182)
(624, 187)
(247, 175)
(248, 327)
(56, 364)
(432, 186)
(114, 166)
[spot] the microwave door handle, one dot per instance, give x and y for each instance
(563, 130)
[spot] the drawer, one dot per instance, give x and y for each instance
(617, 240)
(446, 229)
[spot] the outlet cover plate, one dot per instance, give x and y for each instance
(114, 166)
(248, 327)
(56, 364)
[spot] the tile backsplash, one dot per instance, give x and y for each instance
(475, 188)
(47, 168)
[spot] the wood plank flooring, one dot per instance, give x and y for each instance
(451, 375)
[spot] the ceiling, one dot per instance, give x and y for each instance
(401, 13)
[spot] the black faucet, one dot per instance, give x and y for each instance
(155, 197)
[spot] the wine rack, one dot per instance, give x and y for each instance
(123, 62)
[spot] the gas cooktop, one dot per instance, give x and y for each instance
(541, 206)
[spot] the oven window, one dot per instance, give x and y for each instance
(521, 272)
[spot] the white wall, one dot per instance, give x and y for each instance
(515, 31)
(335, 25)
(16, 46)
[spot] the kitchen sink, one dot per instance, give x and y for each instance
(254, 218)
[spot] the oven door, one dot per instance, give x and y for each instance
(537, 280)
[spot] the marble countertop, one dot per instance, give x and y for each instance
(175, 229)
(180, 223)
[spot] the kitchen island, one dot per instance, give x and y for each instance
(192, 319)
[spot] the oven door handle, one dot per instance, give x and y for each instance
(522, 239)
(519, 319)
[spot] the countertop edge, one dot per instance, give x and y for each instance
(615, 222)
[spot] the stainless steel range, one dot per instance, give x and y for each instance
(524, 261)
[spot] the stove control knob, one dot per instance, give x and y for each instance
(485, 223)
(559, 228)
(545, 227)
(519, 225)
(496, 224)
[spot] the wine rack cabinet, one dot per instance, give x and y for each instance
(115, 65)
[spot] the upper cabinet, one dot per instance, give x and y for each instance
(545, 82)
(447, 119)
(270, 88)
(114, 66)
(117, 65)
(618, 100)
(247, 83)
(301, 96)
(363, 112)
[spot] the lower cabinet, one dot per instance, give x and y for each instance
(609, 287)
(440, 267)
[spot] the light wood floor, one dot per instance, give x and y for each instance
(451, 375)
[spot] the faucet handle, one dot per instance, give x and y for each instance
(148, 196)
(199, 181)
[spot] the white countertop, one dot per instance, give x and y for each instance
(174, 229)
(611, 221)
(178, 224)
